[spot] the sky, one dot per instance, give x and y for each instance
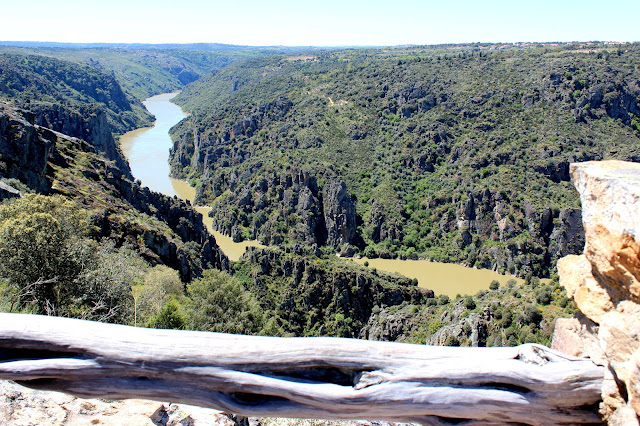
(319, 23)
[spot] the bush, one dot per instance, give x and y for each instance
(543, 297)
(507, 318)
(469, 303)
(51, 266)
(530, 315)
(169, 317)
(161, 284)
(495, 284)
(452, 341)
(218, 302)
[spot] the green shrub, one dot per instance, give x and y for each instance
(218, 302)
(170, 316)
(469, 303)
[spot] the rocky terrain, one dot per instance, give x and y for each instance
(20, 406)
(41, 160)
(300, 289)
(604, 283)
(458, 156)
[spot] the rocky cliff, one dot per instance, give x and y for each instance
(24, 150)
(459, 159)
(604, 282)
(321, 296)
(164, 229)
(88, 122)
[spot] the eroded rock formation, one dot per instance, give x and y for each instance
(604, 282)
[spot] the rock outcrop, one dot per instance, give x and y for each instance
(339, 214)
(47, 162)
(20, 406)
(604, 282)
(308, 292)
(88, 123)
(24, 150)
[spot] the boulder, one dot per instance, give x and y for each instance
(604, 282)
(610, 196)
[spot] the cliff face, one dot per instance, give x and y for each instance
(24, 150)
(164, 229)
(604, 282)
(321, 296)
(89, 123)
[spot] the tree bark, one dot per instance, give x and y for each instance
(312, 377)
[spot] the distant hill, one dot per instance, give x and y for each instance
(144, 70)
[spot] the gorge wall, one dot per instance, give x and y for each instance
(93, 171)
(604, 282)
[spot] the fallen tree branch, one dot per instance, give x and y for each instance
(326, 378)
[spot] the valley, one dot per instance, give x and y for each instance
(448, 157)
(147, 151)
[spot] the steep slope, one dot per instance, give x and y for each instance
(452, 153)
(71, 87)
(146, 70)
(164, 230)
(57, 122)
(37, 155)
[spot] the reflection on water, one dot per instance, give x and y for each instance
(442, 278)
(147, 150)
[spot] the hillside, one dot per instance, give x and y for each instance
(79, 237)
(78, 233)
(69, 87)
(451, 153)
(147, 70)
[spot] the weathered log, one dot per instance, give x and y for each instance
(310, 377)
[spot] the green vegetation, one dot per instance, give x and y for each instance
(453, 155)
(500, 317)
(49, 86)
(448, 153)
(51, 266)
(218, 302)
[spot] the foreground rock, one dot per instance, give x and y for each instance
(22, 406)
(605, 284)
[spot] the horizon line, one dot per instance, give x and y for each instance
(16, 43)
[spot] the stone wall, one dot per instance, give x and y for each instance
(604, 282)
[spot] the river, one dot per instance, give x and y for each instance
(147, 150)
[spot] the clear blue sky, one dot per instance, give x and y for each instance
(320, 23)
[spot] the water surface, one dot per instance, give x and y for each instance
(442, 278)
(147, 150)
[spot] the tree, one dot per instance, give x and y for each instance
(169, 316)
(218, 302)
(161, 284)
(40, 248)
(50, 266)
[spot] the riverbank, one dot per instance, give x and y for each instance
(147, 150)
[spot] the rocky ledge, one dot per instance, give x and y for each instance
(604, 282)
